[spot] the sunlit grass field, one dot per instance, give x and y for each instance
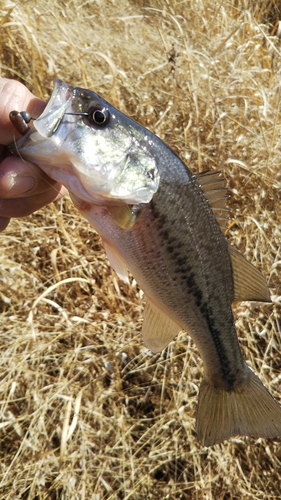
(87, 412)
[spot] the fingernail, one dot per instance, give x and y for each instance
(21, 186)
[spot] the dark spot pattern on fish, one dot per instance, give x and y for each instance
(162, 220)
(203, 307)
(230, 376)
(191, 283)
(156, 214)
(198, 297)
(181, 261)
(185, 273)
(164, 233)
(173, 246)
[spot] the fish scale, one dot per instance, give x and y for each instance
(179, 281)
(193, 284)
(166, 226)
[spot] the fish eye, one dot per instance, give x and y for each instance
(98, 116)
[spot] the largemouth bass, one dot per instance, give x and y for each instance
(165, 225)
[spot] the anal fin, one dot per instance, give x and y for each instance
(158, 329)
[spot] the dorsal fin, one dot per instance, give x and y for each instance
(211, 179)
(249, 283)
(223, 222)
(216, 193)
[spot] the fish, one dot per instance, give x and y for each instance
(166, 225)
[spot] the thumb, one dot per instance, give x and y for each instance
(15, 96)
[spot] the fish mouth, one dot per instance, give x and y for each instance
(49, 121)
(54, 113)
(108, 158)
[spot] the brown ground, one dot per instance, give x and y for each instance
(86, 411)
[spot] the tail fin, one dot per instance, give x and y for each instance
(248, 410)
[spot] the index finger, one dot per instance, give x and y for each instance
(15, 96)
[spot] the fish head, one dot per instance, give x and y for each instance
(92, 148)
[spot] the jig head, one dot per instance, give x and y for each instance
(20, 120)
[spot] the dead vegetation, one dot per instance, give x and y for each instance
(86, 411)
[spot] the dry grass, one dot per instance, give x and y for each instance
(86, 411)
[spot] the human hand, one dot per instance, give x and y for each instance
(24, 187)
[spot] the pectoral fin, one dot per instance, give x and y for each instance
(158, 329)
(123, 215)
(249, 283)
(116, 261)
